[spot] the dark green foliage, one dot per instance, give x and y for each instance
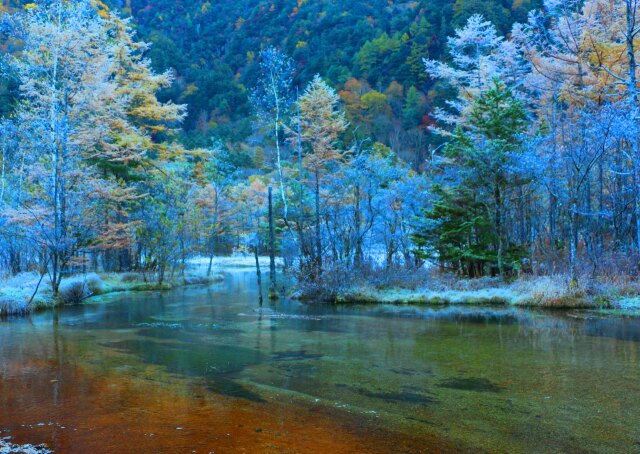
(213, 47)
(8, 93)
(502, 13)
(457, 232)
(413, 109)
(465, 228)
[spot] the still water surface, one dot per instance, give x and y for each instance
(207, 370)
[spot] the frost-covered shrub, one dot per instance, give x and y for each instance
(76, 289)
(398, 277)
(197, 280)
(130, 277)
(73, 291)
(18, 294)
(21, 280)
(94, 283)
(480, 283)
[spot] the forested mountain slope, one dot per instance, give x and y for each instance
(212, 46)
(359, 46)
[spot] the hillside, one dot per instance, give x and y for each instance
(357, 46)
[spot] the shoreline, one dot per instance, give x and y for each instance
(113, 283)
(544, 292)
(548, 292)
(451, 368)
(16, 291)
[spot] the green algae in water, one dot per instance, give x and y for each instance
(199, 359)
(230, 388)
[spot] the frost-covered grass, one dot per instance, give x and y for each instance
(556, 292)
(16, 291)
(545, 292)
(425, 296)
(195, 274)
(7, 447)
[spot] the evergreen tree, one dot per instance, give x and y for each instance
(467, 223)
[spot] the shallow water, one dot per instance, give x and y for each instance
(207, 370)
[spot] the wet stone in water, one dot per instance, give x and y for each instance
(481, 385)
(399, 397)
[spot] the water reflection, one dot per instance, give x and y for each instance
(496, 379)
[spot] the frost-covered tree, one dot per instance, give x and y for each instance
(271, 99)
(321, 124)
(65, 71)
(86, 116)
(468, 228)
(478, 56)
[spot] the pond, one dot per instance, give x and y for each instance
(208, 370)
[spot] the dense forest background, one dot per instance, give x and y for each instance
(491, 138)
(370, 51)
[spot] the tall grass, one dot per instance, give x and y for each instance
(399, 286)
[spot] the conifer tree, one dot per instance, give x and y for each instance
(321, 124)
(467, 222)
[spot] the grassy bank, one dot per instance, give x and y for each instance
(555, 292)
(17, 292)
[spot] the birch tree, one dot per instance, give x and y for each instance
(272, 98)
(65, 70)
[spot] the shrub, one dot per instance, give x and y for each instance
(73, 291)
(197, 280)
(94, 284)
(21, 280)
(13, 306)
(130, 277)
(399, 277)
(76, 289)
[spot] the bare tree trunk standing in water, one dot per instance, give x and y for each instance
(273, 294)
(258, 272)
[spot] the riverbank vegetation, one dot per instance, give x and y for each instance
(551, 292)
(503, 170)
(25, 293)
(432, 287)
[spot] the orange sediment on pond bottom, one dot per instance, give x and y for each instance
(74, 410)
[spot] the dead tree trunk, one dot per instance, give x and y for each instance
(258, 272)
(272, 250)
